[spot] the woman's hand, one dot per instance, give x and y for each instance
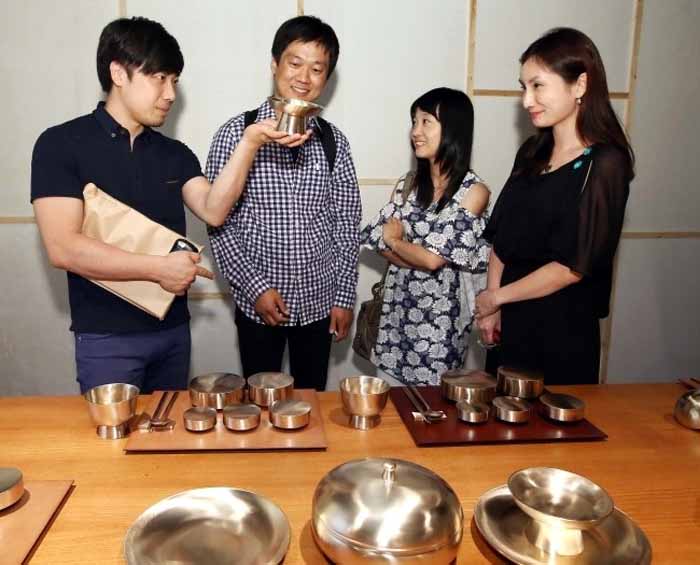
(490, 328)
(486, 304)
(392, 231)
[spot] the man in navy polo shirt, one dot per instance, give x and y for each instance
(138, 65)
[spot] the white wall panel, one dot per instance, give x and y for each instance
(656, 319)
(226, 46)
(48, 77)
(505, 28)
(391, 52)
(666, 120)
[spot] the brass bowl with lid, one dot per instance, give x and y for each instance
(216, 390)
(472, 386)
(379, 511)
(687, 410)
(11, 486)
(267, 387)
(520, 383)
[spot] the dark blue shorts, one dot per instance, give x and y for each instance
(157, 360)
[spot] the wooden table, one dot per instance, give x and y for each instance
(650, 465)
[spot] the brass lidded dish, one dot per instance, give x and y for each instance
(11, 486)
(520, 383)
(290, 414)
(511, 409)
(265, 388)
(215, 526)
(687, 409)
(217, 390)
(472, 412)
(562, 407)
(472, 386)
(199, 419)
(241, 417)
(379, 510)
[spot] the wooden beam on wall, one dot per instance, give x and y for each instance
(471, 48)
(300, 7)
(517, 93)
(121, 8)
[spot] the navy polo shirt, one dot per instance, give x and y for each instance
(149, 178)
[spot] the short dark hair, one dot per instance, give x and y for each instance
(137, 43)
(453, 109)
(307, 29)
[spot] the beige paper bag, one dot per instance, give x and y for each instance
(113, 222)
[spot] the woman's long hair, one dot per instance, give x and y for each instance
(454, 111)
(569, 53)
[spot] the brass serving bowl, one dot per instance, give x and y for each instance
(11, 486)
(212, 526)
(363, 399)
(290, 414)
(294, 113)
(266, 388)
(111, 406)
(687, 410)
(217, 390)
(386, 511)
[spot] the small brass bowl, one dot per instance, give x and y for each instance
(687, 410)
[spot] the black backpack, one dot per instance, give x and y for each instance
(326, 134)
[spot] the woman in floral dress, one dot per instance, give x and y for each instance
(430, 233)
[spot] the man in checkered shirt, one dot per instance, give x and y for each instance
(289, 247)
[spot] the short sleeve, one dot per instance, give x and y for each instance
(599, 213)
(54, 167)
(457, 237)
(190, 164)
(371, 235)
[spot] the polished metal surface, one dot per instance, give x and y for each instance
(265, 388)
(386, 511)
(294, 113)
(111, 406)
(11, 486)
(161, 420)
(209, 526)
(520, 383)
(363, 400)
(562, 407)
(687, 410)
(199, 419)
(427, 416)
(472, 386)
(512, 410)
(615, 540)
(428, 410)
(241, 417)
(217, 390)
(473, 412)
(559, 498)
(290, 414)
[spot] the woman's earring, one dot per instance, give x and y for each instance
(578, 101)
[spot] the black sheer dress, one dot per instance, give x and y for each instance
(573, 216)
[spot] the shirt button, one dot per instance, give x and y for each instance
(113, 135)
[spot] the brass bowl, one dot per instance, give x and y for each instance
(290, 414)
(11, 486)
(520, 383)
(472, 386)
(687, 410)
(242, 417)
(111, 406)
(199, 419)
(294, 113)
(562, 407)
(511, 409)
(266, 388)
(363, 400)
(215, 526)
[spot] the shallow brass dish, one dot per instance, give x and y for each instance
(212, 526)
(562, 407)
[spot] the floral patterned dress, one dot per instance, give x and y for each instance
(426, 316)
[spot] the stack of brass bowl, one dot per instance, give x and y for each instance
(546, 515)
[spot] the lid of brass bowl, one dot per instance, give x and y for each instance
(387, 505)
(290, 414)
(559, 497)
(270, 380)
(199, 419)
(217, 382)
(687, 410)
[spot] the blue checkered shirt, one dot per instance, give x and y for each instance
(295, 228)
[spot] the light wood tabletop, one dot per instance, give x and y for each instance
(650, 465)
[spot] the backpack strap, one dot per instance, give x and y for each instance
(330, 149)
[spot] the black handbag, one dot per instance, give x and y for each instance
(367, 328)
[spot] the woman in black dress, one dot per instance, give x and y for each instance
(557, 222)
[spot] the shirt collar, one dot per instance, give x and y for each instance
(112, 126)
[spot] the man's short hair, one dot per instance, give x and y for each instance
(307, 29)
(137, 43)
